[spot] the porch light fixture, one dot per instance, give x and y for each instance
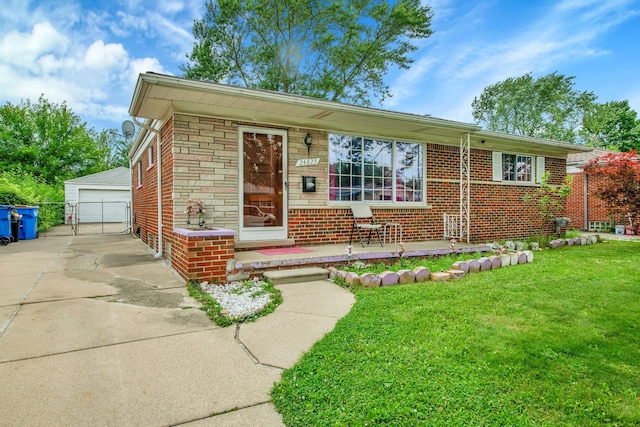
(307, 141)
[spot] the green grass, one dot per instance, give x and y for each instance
(551, 343)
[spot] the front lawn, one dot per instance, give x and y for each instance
(552, 343)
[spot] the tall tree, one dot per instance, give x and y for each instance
(612, 125)
(546, 107)
(115, 148)
(48, 141)
(334, 50)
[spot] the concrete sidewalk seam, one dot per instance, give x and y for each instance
(7, 323)
(108, 345)
(325, 316)
(97, 297)
(253, 358)
(215, 414)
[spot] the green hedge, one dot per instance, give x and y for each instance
(20, 188)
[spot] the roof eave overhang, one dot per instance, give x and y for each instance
(155, 95)
(498, 141)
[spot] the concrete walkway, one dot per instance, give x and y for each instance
(612, 236)
(95, 331)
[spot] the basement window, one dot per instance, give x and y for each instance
(139, 173)
(150, 152)
(600, 226)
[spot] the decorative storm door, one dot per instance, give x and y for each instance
(263, 198)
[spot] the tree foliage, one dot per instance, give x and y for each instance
(620, 186)
(115, 149)
(612, 125)
(48, 141)
(546, 107)
(334, 50)
(549, 201)
(19, 188)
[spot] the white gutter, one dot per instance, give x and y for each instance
(569, 146)
(158, 255)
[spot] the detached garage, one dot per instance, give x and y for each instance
(99, 198)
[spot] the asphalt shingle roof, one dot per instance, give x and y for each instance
(581, 159)
(117, 176)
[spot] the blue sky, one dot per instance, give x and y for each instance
(89, 52)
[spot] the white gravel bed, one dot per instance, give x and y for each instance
(240, 299)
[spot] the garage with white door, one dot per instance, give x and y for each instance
(103, 197)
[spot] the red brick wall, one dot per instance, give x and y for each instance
(575, 202)
(597, 211)
(145, 197)
(496, 214)
(333, 225)
(497, 209)
(201, 257)
(200, 161)
(167, 183)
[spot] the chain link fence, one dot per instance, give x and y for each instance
(82, 218)
(52, 219)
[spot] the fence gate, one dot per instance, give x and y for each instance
(101, 217)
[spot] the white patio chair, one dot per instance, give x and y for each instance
(363, 220)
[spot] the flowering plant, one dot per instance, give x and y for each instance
(401, 251)
(195, 208)
(349, 252)
(452, 246)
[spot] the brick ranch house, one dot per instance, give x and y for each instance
(586, 211)
(274, 169)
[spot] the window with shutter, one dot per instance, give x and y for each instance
(514, 167)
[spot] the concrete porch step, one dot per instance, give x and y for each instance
(296, 275)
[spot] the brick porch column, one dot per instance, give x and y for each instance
(202, 254)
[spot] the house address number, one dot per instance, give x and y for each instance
(308, 162)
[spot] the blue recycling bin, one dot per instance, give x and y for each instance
(5, 221)
(29, 223)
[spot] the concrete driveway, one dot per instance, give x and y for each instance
(95, 331)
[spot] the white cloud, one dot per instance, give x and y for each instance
(100, 56)
(468, 56)
(173, 35)
(96, 79)
(128, 24)
(23, 49)
(406, 85)
(142, 65)
(170, 6)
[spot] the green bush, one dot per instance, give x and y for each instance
(21, 188)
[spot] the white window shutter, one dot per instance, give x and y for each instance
(539, 168)
(497, 166)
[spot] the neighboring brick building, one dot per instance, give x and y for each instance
(407, 167)
(586, 211)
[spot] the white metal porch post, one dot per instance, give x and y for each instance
(465, 186)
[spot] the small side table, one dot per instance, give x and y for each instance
(394, 232)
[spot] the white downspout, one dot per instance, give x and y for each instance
(158, 133)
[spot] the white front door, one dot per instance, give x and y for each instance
(262, 183)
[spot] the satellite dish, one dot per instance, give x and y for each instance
(128, 128)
